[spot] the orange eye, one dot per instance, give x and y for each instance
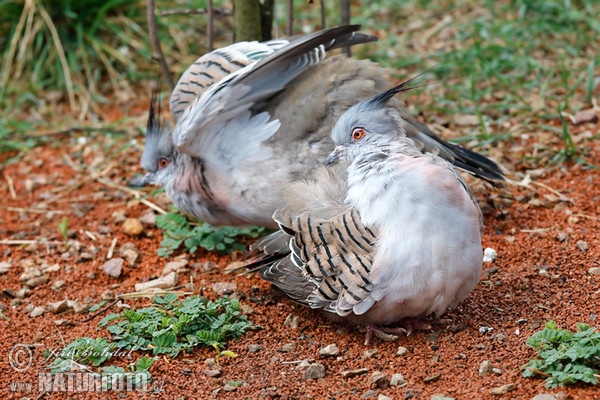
(358, 133)
(163, 163)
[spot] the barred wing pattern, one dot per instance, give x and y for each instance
(330, 260)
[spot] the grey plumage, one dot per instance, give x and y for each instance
(385, 233)
(253, 117)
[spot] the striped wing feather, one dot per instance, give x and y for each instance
(330, 259)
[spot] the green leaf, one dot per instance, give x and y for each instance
(565, 357)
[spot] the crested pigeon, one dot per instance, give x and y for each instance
(253, 117)
(386, 233)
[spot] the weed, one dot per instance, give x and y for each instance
(63, 228)
(178, 231)
(565, 357)
(170, 326)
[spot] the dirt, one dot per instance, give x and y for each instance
(545, 234)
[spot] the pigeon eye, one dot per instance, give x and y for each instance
(163, 163)
(358, 133)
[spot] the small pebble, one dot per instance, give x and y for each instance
(315, 371)
(383, 397)
(132, 227)
(224, 288)
(288, 347)
(130, 255)
(485, 368)
(148, 218)
(369, 393)
(543, 396)
(51, 268)
(177, 266)
(254, 348)
(354, 372)
(58, 307)
(432, 378)
(22, 293)
(165, 282)
(489, 255)
(58, 284)
(370, 353)
(401, 351)
(503, 389)
(303, 365)
(37, 281)
(5, 267)
(37, 311)
(292, 321)
(213, 373)
(331, 350)
(593, 271)
(114, 267)
(582, 245)
(397, 380)
(497, 371)
(380, 380)
(229, 387)
(562, 236)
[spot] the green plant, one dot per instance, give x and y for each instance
(170, 325)
(565, 357)
(178, 231)
(63, 228)
(87, 351)
(83, 352)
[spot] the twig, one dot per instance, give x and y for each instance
(194, 11)
(536, 230)
(345, 20)
(209, 25)
(36, 210)
(136, 295)
(74, 130)
(290, 18)
(587, 216)
(111, 249)
(90, 235)
(22, 242)
(322, 5)
(11, 187)
(155, 41)
(100, 312)
(132, 192)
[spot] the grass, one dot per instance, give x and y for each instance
(510, 63)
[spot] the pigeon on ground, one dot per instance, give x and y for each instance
(386, 234)
(253, 117)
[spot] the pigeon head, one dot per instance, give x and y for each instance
(159, 156)
(370, 124)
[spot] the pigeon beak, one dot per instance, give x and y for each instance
(336, 154)
(147, 180)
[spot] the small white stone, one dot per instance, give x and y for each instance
(489, 255)
(331, 350)
(4, 267)
(401, 351)
(37, 311)
(397, 380)
(164, 282)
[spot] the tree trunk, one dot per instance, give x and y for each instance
(247, 20)
(266, 19)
